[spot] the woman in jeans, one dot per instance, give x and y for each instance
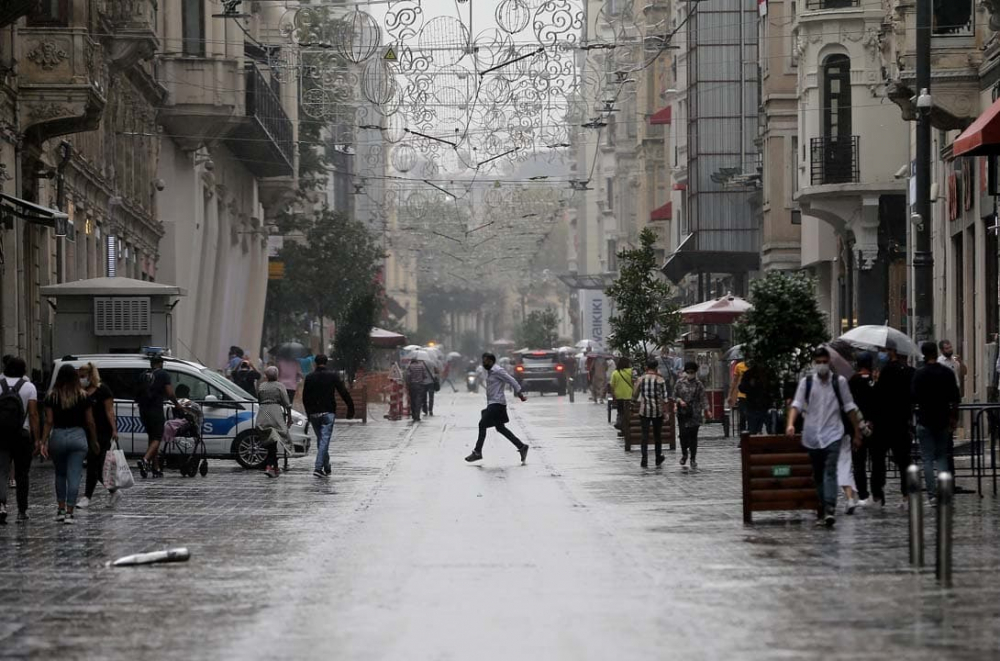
(689, 394)
(275, 407)
(102, 403)
(651, 393)
(69, 431)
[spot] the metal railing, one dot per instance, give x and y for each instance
(264, 105)
(131, 11)
(835, 160)
(813, 5)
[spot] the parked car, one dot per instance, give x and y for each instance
(540, 370)
(230, 413)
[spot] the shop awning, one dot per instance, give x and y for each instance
(688, 259)
(723, 310)
(662, 116)
(34, 213)
(665, 212)
(599, 281)
(983, 137)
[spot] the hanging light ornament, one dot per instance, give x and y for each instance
(358, 37)
(512, 16)
(404, 157)
(378, 84)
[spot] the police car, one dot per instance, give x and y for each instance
(230, 413)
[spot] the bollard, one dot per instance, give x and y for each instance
(945, 519)
(916, 516)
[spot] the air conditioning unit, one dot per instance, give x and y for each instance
(119, 315)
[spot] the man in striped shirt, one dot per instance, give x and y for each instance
(651, 393)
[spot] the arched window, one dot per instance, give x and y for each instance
(838, 159)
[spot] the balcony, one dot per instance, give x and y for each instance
(819, 5)
(62, 81)
(203, 98)
(265, 138)
(130, 29)
(835, 160)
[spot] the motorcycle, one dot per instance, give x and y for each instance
(472, 381)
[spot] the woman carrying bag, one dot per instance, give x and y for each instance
(102, 404)
(69, 432)
(622, 388)
(275, 408)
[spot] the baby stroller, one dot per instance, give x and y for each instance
(183, 447)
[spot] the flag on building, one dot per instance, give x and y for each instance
(762, 6)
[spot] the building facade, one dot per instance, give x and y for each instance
(163, 134)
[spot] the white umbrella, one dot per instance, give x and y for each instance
(423, 355)
(879, 337)
(412, 347)
(594, 345)
(454, 354)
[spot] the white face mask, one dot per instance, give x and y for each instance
(822, 369)
(85, 382)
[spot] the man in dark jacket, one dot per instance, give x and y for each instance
(862, 386)
(935, 392)
(894, 415)
(320, 403)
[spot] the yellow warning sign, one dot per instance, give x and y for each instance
(390, 54)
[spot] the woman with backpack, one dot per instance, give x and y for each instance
(69, 432)
(102, 405)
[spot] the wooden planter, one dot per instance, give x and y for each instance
(359, 393)
(632, 427)
(777, 475)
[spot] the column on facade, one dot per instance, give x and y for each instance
(206, 275)
(221, 327)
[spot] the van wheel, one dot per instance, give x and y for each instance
(249, 452)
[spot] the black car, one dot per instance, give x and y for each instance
(541, 371)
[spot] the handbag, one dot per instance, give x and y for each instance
(123, 474)
(437, 384)
(109, 474)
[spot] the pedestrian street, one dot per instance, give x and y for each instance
(408, 552)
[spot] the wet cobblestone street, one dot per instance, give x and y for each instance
(410, 553)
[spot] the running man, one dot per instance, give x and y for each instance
(495, 413)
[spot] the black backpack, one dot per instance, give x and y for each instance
(845, 419)
(12, 411)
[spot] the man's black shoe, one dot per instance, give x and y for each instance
(660, 459)
(644, 462)
(143, 469)
(475, 456)
(524, 453)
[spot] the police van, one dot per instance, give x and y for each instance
(230, 413)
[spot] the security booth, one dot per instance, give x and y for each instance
(112, 315)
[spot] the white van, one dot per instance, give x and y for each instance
(230, 413)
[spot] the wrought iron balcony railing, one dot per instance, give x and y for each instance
(264, 105)
(835, 160)
(831, 4)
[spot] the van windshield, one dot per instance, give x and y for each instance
(226, 386)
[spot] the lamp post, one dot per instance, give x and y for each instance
(923, 258)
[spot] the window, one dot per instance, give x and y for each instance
(794, 162)
(610, 183)
(837, 96)
(193, 25)
(50, 12)
(612, 255)
(953, 18)
(192, 387)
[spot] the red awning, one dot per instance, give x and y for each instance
(664, 116)
(666, 212)
(983, 137)
(680, 186)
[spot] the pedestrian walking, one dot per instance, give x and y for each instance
(69, 433)
(272, 419)
(319, 397)
(598, 378)
(955, 364)
(935, 393)
(824, 399)
(862, 386)
(102, 405)
(19, 433)
(416, 376)
(622, 387)
(757, 398)
(495, 413)
(692, 411)
(651, 393)
(246, 377)
(431, 385)
(233, 360)
(738, 398)
(894, 416)
(289, 375)
(307, 363)
(154, 388)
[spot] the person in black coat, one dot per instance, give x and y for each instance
(894, 410)
(862, 386)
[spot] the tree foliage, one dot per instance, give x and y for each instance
(539, 329)
(784, 326)
(353, 347)
(644, 316)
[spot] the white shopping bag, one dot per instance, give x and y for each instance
(110, 473)
(123, 474)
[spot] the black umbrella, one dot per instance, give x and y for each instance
(291, 351)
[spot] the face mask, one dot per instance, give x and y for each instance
(85, 382)
(949, 354)
(822, 369)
